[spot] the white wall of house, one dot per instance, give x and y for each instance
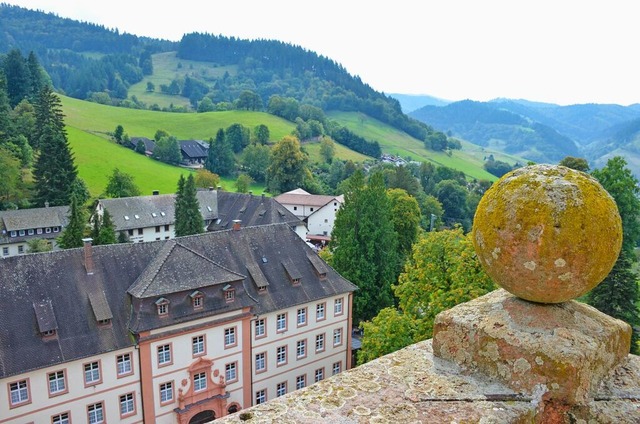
(75, 395)
(321, 222)
(158, 232)
(306, 365)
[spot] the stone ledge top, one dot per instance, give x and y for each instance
(411, 385)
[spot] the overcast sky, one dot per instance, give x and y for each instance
(557, 51)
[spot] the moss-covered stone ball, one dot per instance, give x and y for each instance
(547, 233)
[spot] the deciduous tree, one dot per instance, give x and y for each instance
(121, 184)
(287, 166)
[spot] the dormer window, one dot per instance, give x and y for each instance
(229, 293)
(49, 333)
(21, 233)
(13, 234)
(296, 281)
(104, 322)
(30, 231)
(197, 299)
(163, 306)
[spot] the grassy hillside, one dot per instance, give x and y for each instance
(468, 160)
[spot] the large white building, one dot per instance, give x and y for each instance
(317, 211)
(18, 227)
(171, 331)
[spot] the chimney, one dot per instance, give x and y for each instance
(88, 255)
(236, 224)
(210, 188)
(155, 192)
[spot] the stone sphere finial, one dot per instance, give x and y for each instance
(547, 233)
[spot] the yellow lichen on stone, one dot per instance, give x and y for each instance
(557, 230)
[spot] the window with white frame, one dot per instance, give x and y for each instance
(57, 382)
(281, 322)
(281, 355)
(229, 295)
(320, 342)
(230, 372)
(197, 301)
(337, 367)
(281, 389)
(302, 317)
(261, 396)
(21, 249)
(199, 381)
(19, 392)
(301, 381)
(92, 373)
(197, 345)
(301, 348)
(126, 404)
(95, 413)
(162, 306)
(261, 364)
(260, 329)
(319, 311)
(337, 307)
(230, 336)
(123, 364)
(60, 418)
(5, 251)
(337, 336)
(319, 375)
(166, 392)
(164, 354)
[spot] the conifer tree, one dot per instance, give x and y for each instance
(54, 171)
(187, 208)
(103, 230)
(73, 233)
(220, 159)
(364, 245)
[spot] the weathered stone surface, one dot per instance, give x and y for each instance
(547, 233)
(413, 386)
(557, 352)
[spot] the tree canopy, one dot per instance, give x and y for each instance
(187, 208)
(287, 166)
(121, 184)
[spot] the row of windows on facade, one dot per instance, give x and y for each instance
(301, 317)
(197, 300)
(20, 393)
(32, 231)
(140, 231)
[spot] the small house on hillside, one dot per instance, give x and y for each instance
(18, 227)
(194, 152)
(149, 144)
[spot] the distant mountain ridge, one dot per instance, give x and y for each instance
(543, 132)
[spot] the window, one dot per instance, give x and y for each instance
(30, 232)
(229, 295)
(21, 233)
(164, 354)
(337, 367)
(130, 232)
(337, 307)
(47, 230)
(197, 345)
(281, 389)
(5, 251)
(337, 336)
(311, 209)
(199, 381)
(91, 373)
(261, 396)
(56, 229)
(166, 392)
(95, 413)
(301, 349)
(281, 322)
(139, 231)
(197, 299)
(60, 418)
(301, 381)
(13, 234)
(295, 208)
(166, 227)
(319, 311)
(260, 330)
(21, 249)
(163, 306)
(39, 231)
(57, 383)
(320, 342)
(231, 372)
(123, 364)
(302, 317)
(157, 228)
(19, 392)
(281, 355)
(319, 374)
(126, 404)
(261, 364)
(229, 337)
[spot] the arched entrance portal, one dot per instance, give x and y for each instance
(203, 417)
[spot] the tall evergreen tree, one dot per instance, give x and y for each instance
(187, 208)
(73, 233)
(54, 171)
(364, 245)
(18, 77)
(618, 293)
(220, 159)
(106, 233)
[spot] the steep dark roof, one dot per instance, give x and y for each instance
(193, 149)
(251, 210)
(149, 144)
(123, 274)
(24, 219)
(149, 211)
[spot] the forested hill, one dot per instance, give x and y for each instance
(87, 61)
